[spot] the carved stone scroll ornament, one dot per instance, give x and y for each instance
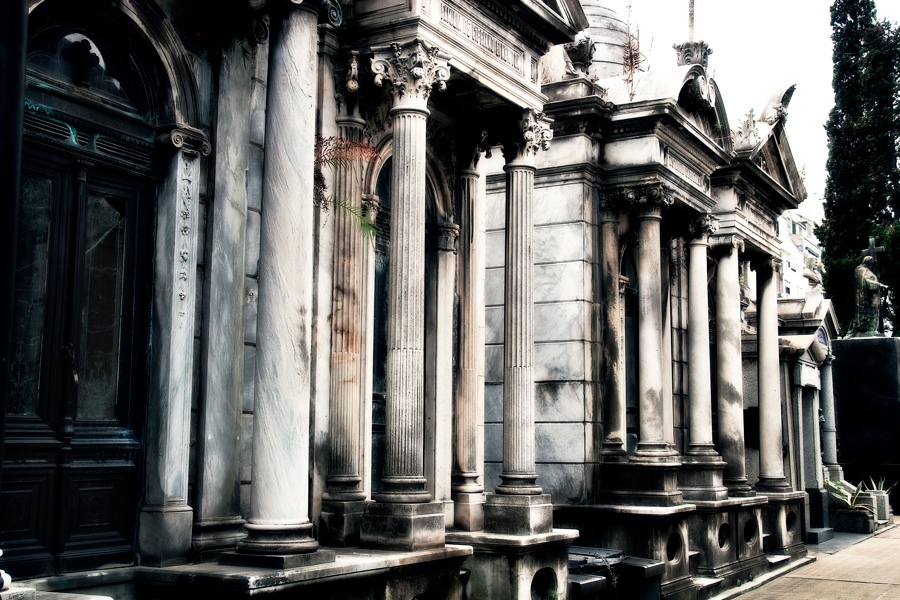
(534, 134)
(329, 9)
(722, 241)
(704, 225)
(187, 139)
(413, 71)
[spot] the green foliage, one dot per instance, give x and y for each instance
(846, 496)
(878, 486)
(348, 156)
(862, 194)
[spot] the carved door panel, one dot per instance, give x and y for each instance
(77, 370)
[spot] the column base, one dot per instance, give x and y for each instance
(641, 483)
(739, 487)
(278, 540)
(468, 511)
(518, 515)
(276, 561)
(215, 535)
(613, 451)
(773, 485)
(164, 536)
(403, 526)
(833, 472)
(700, 478)
(340, 522)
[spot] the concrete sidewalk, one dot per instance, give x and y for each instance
(862, 567)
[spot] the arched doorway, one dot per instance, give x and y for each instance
(78, 368)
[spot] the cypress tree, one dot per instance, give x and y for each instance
(862, 190)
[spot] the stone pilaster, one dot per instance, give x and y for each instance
(342, 505)
(649, 201)
(613, 353)
(729, 373)
(164, 536)
(829, 429)
(412, 71)
(771, 461)
(217, 513)
(468, 426)
(519, 504)
(701, 478)
(279, 529)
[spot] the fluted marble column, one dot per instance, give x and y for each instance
(519, 504)
(700, 432)
(771, 461)
(829, 429)
(729, 374)
(279, 505)
(613, 386)
(649, 201)
(468, 489)
(412, 71)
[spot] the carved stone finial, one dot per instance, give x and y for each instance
(704, 225)
(579, 54)
(533, 134)
(693, 53)
(413, 71)
(746, 136)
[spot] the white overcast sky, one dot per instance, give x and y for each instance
(759, 47)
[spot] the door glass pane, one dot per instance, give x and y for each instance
(30, 293)
(101, 309)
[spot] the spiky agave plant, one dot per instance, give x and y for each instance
(336, 152)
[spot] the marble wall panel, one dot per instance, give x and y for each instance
(560, 282)
(559, 243)
(559, 442)
(568, 150)
(751, 382)
(251, 252)
(493, 363)
(559, 361)
(245, 500)
(555, 322)
(493, 287)
(492, 475)
(566, 483)
(246, 446)
(251, 294)
(493, 403)
(249, 378)
(493, 442)
(495, 205)
(559, 401)
(255, 164)
(567, 203)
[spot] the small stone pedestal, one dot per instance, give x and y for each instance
(700, 479)
(518, 515)
(516, 567)
(340, 521)
(468, 511)
(403, 526)
(642, 483)
(783, 522)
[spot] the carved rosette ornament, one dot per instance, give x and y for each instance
(704, 225)
(413, 71)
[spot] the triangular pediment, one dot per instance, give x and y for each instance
(558, 20)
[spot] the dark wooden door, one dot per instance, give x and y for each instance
(78, 364)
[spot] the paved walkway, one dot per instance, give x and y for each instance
(850, 566)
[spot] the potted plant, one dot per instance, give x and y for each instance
(850, 511)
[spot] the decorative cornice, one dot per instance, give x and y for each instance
(185, 138)
(534, 134)
(413, 71)
(693, 53)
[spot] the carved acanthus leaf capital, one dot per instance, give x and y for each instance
(371, 203)
(412, 70)
(443, 237)
(533, 134)
(704, 225)
(693, 53)
(185, 138)
(610, 204)
(648, 198)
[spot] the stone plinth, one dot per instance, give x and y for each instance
(517, 567)
(866, 373)
(518, 515)
(340, 521)
(783, 522)
(403, 526)
(700, 478)
(641, 484)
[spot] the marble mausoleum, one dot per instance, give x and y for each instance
(397, 299)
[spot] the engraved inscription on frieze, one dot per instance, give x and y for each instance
(681, 167)
(483, 38)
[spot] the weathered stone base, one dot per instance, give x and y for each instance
(659, 534)
(164, 535)
(212, 537)
(727, 539)
(700, 478)
(403, 526)
(783, 524)
(340, 522)
(468, 512)
(641, 484)
(276, 561)
(517, 567)
(518, 515)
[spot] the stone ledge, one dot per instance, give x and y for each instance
(501, 542)
(646, 511)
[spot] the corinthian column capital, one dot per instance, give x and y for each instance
(533, 134)
(413, 71)
(703, 226)
(649, 199)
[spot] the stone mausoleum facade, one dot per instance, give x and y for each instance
(546, 355)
